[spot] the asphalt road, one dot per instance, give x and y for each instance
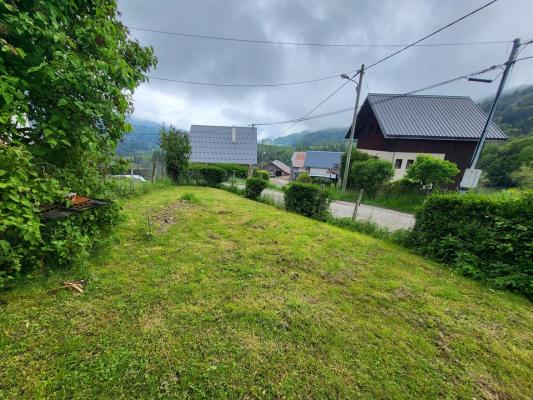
(390, 219)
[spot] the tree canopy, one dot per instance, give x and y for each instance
(67, 74)
(431, 171)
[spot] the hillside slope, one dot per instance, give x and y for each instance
(514, 113)
(235, 299)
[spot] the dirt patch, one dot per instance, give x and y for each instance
(489, 391)
(165, 218)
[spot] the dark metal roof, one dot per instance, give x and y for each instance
(281, 165)
(214, 144)
(322, 159)
(430, 117)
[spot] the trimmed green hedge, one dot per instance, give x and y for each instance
(307, 199)
(254, 187)
(485, 237)
(262, 174)
(211, 175)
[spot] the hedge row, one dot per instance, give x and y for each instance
(485, 237)
(254, 187)
(307, 199)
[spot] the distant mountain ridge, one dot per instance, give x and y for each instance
(143, 139)
(312, 138)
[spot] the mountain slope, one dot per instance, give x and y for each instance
(514, 114)
(143, 139)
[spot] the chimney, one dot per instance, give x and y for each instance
(233, 134)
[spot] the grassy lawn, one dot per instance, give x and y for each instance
(235, 299)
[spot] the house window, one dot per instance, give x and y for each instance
(398, 163)
(409, 163)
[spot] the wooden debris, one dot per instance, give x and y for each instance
(77, 286)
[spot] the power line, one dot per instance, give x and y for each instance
(392, 55)
(432, 34)
(317, 106)
(358, 45)
(243, 85)
(425, 88)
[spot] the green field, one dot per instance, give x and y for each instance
(230, 298)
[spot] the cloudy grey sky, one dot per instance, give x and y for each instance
(331, 21)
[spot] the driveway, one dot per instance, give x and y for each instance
(390, 219)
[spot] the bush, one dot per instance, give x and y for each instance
(254, 187)
(213, 176)
(177, 152)
(241, 171)
(370, 175)
(307, 199)
(304, 177)
(432, 172)
(355, 156)
(486, 237)
(262, 174)
(29, 243)
(210, 175)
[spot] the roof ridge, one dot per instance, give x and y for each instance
(225, 126)
(419, 95)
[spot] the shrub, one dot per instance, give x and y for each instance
(486, 237)
(262, 174)
(190, 197)
(177, 151)
(370, 175)
(432, 172)
(355, 156)
(307, 199)
(304, 177)
(254, 187)
(241, 171)
(27, 242)
(212, 175)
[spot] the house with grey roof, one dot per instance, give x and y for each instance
(323, 164)
(398, 128)
(223, 144)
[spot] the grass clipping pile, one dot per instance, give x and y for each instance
(163, 219)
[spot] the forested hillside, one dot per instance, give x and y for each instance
(510, 163)
(143, 139)
(514, 114)
(312, 138)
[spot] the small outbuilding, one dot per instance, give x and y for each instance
(278, 168)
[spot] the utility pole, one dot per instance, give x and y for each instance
(508, 66)
(352, 130)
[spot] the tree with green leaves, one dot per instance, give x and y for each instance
(432, 172)
(370, 175)
(500, 161)
(356, 156)
(176, 150)
(67, 74)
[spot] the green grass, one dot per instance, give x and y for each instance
(404, 202)
(232, 298)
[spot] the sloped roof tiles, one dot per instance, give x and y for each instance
(215, 144)
(322, 159)
(430, 117)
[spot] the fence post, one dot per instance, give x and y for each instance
(154, 169)
(357, 204)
